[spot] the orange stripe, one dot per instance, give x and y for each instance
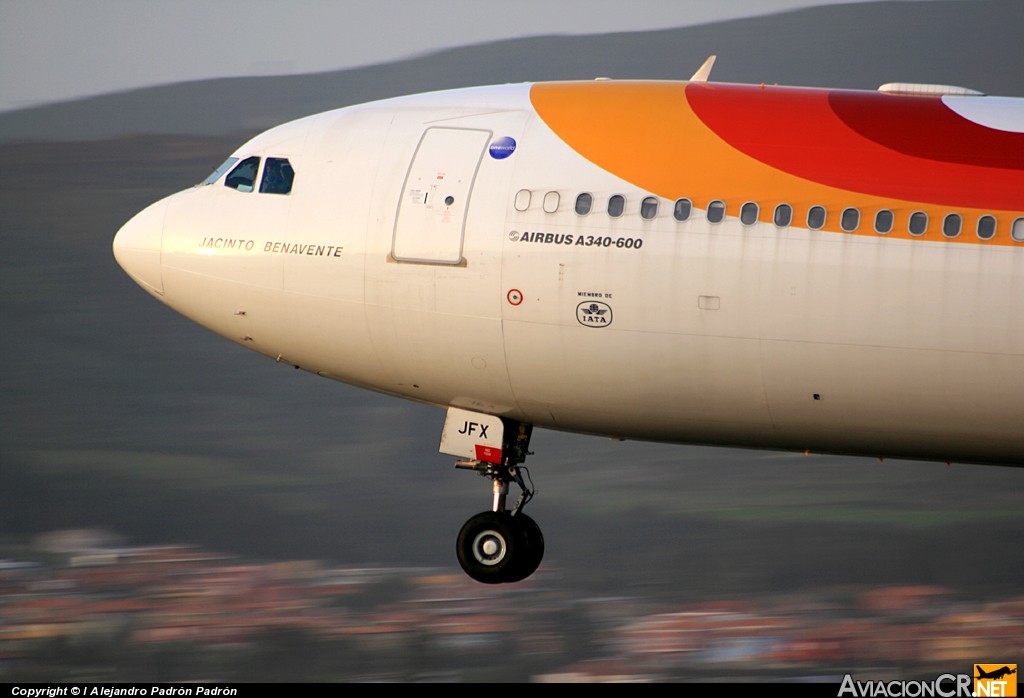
(648, 134)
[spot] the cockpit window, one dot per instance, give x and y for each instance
(243, 177)
(219, 172)
(278, 176)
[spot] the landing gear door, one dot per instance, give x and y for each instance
(472, 435)
(431, 220)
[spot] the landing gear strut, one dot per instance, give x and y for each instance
(501, 545)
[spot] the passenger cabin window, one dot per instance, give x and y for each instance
(987, 227)
(883, 221)
(918, 223)
(551, 200)
(649, 208)
(716, 211)
(278, 176)
(850, 220)
(681, 210)
(816, 217)
(748, 213)
(219, 172)
(783, 215)
(243, 177)
(584, 202)
(616, 205)
(951, 225)
(523, 199)
(1017, 230)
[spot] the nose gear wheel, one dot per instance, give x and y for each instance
(502, 545)
(488, 547)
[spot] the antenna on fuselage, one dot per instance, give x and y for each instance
(704, 71)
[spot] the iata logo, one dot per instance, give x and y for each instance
(594, 314)
(995, 680)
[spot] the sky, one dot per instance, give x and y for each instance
(56, 50)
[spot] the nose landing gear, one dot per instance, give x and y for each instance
(501, 545)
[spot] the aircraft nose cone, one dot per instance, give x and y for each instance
(137, 247)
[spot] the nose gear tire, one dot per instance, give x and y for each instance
(490, 546)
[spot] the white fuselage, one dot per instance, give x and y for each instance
(504, 300)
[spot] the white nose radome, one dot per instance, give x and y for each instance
(137, 247)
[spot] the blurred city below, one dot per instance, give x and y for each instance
(80, 605)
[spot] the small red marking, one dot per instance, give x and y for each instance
(488, 454)
(515, 296)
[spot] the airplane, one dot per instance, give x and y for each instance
(997, 674)
(801, 269)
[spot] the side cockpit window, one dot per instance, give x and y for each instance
(219, 172)
(243, 177)
(278, 176)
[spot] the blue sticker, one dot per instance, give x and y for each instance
(502, 147)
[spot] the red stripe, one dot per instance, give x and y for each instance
(911, 148)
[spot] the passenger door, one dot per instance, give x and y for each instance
(431, 220)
